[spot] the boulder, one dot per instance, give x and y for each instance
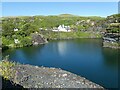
(38, 39)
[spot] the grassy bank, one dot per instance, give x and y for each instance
(71, 35)
(49, 35)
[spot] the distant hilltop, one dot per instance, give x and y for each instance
(72, 15)
(67, 15)
(59, 15)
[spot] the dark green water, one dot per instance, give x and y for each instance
(84, 57)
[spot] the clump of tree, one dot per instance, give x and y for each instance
(113, 23)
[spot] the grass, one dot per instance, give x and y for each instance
(65, 35)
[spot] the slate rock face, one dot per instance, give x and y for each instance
(38, 39)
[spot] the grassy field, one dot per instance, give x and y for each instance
(73, 35)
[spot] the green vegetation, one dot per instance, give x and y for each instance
(6, 69)
(113, 25)
(81, 27)
(112, 32)
(71, 35)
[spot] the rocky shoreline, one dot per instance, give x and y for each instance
(71, 38)
(29, 76)
(113, 45)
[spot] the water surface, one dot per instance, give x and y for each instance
(84, 57)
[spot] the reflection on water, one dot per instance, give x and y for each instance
(111, 59)
(85, 57)
(62, 48)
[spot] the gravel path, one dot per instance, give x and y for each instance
(30, 76)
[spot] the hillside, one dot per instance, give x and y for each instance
(20, 28)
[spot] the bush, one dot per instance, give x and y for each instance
(6, 69)
(26, 41)
(6, 41)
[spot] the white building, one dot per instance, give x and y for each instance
(16, 41)
(15, 29)
(92, 23)
(62, 28)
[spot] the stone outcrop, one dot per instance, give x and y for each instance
(38, 39)
(114, 45)
(111, 37)
(111, 41)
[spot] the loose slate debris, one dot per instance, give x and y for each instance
(30, 76)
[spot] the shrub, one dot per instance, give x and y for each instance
(26, 41)
(6, 69)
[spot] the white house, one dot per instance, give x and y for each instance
(62, 28)
(92, 23)
(15, 29)
(16, 41)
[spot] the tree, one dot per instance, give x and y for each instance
(29, 28)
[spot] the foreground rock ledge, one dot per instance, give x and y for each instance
(30, 76)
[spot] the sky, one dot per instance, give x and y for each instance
(102, 9)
